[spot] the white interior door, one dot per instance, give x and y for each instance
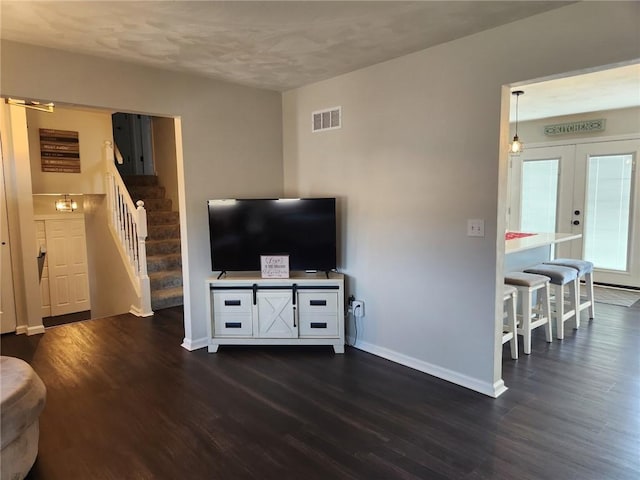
(67, 261)
(590, 189)
(7, 299)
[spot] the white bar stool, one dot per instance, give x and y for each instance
(560, 277)
(585, 271)
(533, 315)
(509, 329)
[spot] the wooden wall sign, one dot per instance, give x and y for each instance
(59, 151)
(585, 126)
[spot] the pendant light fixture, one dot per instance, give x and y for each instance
(66, 204)
(516, 146)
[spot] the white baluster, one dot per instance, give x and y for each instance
(145, 284)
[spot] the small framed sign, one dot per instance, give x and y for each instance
(59, 151)
(274, 266)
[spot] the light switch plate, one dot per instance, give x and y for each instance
(475, 227)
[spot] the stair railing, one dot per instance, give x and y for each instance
(128, 224)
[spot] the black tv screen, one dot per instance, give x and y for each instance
(241, 230)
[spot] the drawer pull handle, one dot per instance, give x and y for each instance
(233, 324)
(318, 303)
(318, 324)
(232, 303)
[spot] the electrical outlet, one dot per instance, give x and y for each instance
(358, 308)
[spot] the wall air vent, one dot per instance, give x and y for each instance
(328, 119)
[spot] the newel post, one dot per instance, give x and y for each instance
(145, 284)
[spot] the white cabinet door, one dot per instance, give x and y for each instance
(68, 271)
(276, 315)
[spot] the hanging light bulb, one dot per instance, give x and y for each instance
(516, 146)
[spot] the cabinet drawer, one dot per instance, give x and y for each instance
(231, 302)
(233, 325)
(318, 325)
(318, 302)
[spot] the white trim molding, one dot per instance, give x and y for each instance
(38, 329)
(491, 390)
(197, 344)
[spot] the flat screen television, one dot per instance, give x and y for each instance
(241, 230)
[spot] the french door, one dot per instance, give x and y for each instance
(592, 189)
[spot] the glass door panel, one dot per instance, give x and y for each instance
(539, 203)
(541, 191)
(606, 193)
(607, 212)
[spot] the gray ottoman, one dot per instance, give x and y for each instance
(22, 398)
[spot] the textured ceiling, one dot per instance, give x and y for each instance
(273, 45)
(283, 45)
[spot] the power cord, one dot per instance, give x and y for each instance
(355, 319)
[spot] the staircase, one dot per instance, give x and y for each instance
(164, 262)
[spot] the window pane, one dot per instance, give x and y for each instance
(539, 195)
(608, 211)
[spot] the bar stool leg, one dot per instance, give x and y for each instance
(574, 293)
(559, 303)
(545, 301)
(511, 319)
(589, 287)
(526, 322)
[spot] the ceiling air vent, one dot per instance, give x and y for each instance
(328, 119)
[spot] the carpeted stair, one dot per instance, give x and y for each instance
(164, 262)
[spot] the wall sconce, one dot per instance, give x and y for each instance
(42, 107)
(516, 146)
(66, 204)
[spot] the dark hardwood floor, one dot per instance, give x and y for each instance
(125, 401)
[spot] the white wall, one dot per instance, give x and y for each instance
(231, 137)
(93, 129)
(110, 286)
(419, 154)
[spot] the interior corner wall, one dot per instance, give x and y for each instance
(418, 155)
(164, 156)
(231, 135)
(93, 128)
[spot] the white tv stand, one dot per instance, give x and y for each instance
(305, 309)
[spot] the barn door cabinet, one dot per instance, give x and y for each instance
(306, 309)
(64, 278)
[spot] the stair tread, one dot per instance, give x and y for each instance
(166, 273)
(164, 255)
(167, 292)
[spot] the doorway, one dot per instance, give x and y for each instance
(590, 189)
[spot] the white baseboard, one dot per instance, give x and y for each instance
(38, 329)
(139, 313)
(21, 330)
(492, 390)
(197, 344)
